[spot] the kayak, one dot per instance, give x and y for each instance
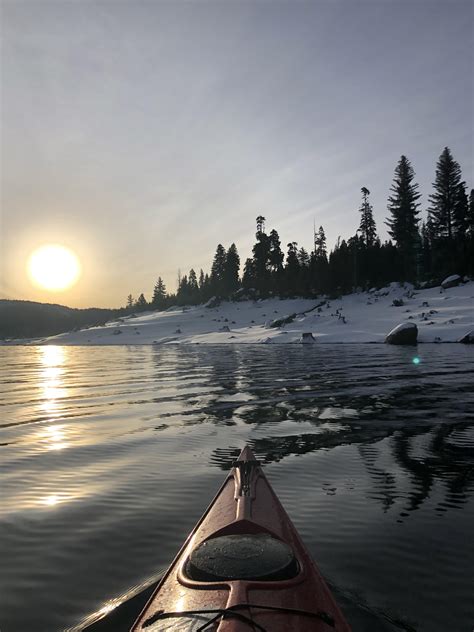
(243, 568)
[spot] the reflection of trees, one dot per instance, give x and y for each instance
(288, 385)
(274, 449)
(384, 482)
(454, 463)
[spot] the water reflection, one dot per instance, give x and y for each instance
(52, 360)
(53, 437)
(128, 437)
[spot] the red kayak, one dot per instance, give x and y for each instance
(243, 568)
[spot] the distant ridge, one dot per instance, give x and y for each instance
(30, 319)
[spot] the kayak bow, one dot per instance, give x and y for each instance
(243, 568)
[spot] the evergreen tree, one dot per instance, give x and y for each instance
(470, 215)
(276, 256)
(403, 206)
(320, 243)
(193, 288)
(443, 200)
(130, 301)
(292, 269)
(461, 213)
(201, 279)
(248, 277)
(159, 294)
(141, 303)
(319, 272)
(367, 223)
(218, 271)
(261, 257)
(232, 267)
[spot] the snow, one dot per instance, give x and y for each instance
(440, 315)
(401, 327)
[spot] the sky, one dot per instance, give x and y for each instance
(141, 134)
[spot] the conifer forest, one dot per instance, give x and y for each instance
(420, 251)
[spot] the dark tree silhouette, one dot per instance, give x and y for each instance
(218, 271)
(403, 221)
(231, 271)
(445, 196)
(158, 300)
(367, 223)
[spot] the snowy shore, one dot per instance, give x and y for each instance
(440, 315)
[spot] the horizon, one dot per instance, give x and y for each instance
(142, 135)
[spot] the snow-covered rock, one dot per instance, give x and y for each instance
(213, 302)
(451, 281)
(468, 339)
(403, 334)
(307, 338)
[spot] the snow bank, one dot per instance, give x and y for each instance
(440, 315)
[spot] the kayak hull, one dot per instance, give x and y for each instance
(246, 506)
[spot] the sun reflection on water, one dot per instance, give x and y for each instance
(52, 360)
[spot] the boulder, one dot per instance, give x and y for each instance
(398, 302)
(281, 322)
(451, 281)
(403, 334)
(467, 339)
(224, 328)
(307, 338)
(245, 294)
(215, 301)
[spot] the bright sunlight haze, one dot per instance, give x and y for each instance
(54, 268)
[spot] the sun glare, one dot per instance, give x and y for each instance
(54, 268)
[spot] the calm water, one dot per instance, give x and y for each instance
(110, 455)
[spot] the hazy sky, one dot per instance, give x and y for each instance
(143, 133)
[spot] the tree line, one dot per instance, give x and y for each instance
(417, 251)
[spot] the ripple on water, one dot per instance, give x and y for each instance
(110, 455)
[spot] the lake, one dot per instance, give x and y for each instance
(109, 455)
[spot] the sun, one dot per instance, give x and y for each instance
(54, 268)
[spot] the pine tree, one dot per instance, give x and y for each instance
(130, 301)
(292, 269)
(403, 206)
(141, 303)
(231, 273)
(470, 214)
(367, 223)
(320, 244)
(443, 200)
(461, 213)
(276, 256)
(261, 257)
(218, 271)
(193, 287)
(248, 277)
(319, 272)
(159, 294)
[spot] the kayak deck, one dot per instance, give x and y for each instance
(243, 568)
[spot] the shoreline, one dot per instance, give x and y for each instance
(441, 315)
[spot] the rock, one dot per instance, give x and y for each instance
(451, 281)
(398, 302)
(224, 328)
(281, 322)
(307, 338)
(178, 331)
(116, 332)
(468, 339)
(403, 334)
(244, 294)
(215, 301)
